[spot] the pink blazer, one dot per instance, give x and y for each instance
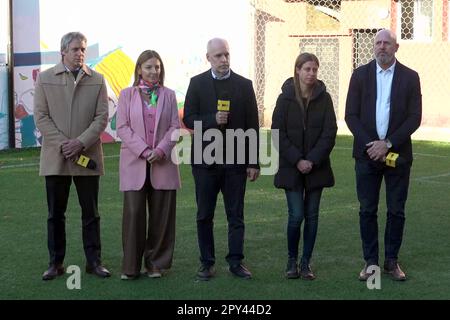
(164, 174)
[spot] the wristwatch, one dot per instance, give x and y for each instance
(388, 143)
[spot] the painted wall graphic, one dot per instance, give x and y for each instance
(4, 95)
(3, 107)
(180, 37)
(264, 37)
(26, 24)
(118, 70)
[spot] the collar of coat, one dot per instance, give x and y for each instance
(60, 68)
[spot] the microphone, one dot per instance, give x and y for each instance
(393, 159)
(86, 162)
(223, 104)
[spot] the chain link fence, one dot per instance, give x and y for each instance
(341, 34)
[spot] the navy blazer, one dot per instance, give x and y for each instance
(405, 112)
(201, 105)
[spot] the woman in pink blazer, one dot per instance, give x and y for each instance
(147, 124)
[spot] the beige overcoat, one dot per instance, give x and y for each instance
(65, 108)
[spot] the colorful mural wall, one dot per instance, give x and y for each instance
(4, 89)
(117, 34)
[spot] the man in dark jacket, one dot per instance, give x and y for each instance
(222, 104)
(383, 109)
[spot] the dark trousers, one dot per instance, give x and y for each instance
(369, 175)
(302, 205)
(58, 189)
(231, 182)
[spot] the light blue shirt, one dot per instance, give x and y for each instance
(223, 77)
(384, 85)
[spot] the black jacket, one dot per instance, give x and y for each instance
(201, 105)
(312, 141)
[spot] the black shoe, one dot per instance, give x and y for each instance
(98, 270)
(306, 272)
(53, 271)
(292, 269)
(205, 272)
(240, 271)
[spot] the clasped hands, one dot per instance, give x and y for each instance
(377, 150)
(153, 156)
(304, 166)
(71, 149)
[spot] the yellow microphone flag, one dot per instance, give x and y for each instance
(83, 161)
(223, 105)
(391, 158)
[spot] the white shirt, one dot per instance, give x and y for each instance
(384, 85)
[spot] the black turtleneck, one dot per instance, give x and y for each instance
(75, 73)
(223, 88)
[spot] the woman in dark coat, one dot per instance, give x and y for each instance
(306, 121)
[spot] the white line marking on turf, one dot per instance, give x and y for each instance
(26, 165)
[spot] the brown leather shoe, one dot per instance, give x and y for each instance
(98, 270)
(53, 271)
(394, 270)
(364, 275)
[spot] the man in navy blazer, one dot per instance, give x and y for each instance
(219, 102)
(383, 109)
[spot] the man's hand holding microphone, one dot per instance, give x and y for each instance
(222, 118)
(223, 110)
(71, 150)
(378, 150)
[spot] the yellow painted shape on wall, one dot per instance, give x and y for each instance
(118, 69)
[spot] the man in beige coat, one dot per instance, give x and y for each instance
(71, 111)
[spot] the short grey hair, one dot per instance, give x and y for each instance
(214, 41)
(391, 33)
(69, 37)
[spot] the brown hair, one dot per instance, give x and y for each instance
(302, 59)
(144, 56)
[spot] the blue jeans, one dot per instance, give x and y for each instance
(302, 204)
(369, 175)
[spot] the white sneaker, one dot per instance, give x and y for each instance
(127, 277)
(154, 273)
